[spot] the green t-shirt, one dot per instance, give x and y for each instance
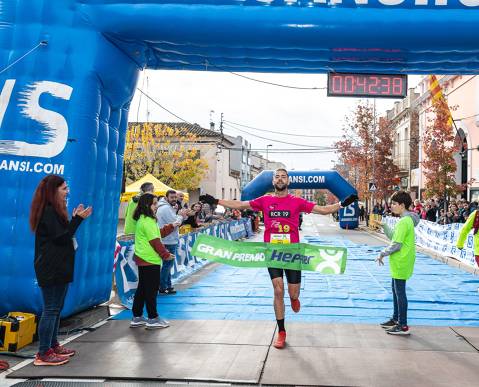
(130, 223)
(147, 230)
(401, 263)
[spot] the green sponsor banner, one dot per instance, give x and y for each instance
(295, 256)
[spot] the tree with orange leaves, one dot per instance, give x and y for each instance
(362, 147)
(169, 154)
(439, 143)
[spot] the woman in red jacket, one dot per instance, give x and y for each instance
(55, 247)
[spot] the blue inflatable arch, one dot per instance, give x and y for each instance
(330, 180)
(68, 70)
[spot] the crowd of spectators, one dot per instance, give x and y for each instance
(437, 210)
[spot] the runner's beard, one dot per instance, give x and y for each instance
(280, 188)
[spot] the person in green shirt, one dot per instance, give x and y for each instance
(402, 256)
(130, 223)
(149, 255)
(472, 223)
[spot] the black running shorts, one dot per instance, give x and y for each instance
(292, 276)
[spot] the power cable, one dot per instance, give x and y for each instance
(157, 103)
(465, 118)
(270, 139)
(277, 84)
(283, 133)
(261, 81)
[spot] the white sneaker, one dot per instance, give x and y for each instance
(155, 323)
(138, 322)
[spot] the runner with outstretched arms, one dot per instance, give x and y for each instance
(281, 219)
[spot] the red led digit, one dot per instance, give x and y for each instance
(360, 85)
(373, 83)
(337, 84)
(397, 86)
(386, 85)
(349, 84)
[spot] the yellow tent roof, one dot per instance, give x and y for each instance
(160, 188)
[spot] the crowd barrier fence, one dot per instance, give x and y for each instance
(126, 270)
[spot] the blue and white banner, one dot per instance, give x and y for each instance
(126, 270)
(441, 239)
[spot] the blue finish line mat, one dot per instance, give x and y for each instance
(438, 295)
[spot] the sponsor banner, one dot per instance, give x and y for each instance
(441, 239)
(295, 256)
(126, 270)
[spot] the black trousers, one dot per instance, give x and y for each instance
(148, 284)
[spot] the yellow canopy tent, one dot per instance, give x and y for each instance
(160, 188)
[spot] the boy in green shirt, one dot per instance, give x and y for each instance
(402, 255)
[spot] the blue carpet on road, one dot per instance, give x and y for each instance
(438, 294)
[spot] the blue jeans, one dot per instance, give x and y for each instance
(53, 300)
(165, 277)
(400, 301)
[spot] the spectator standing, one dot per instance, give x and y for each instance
(54, 262)
(149, 255)
(167, 214)
(193, 216)
(431, 213)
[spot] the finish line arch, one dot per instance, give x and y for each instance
(330, 180)
(68, 71)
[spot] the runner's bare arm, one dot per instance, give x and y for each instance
(326, 210)
(235, 204)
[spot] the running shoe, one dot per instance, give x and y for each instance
(295, 305)
(402, 330)
(137, 322)
(280, 341)
(50, 358)
(61, 350)
(389, 324)
(156, 323)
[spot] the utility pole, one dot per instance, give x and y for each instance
(221, 128)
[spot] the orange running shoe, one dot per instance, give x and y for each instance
(295, 305)
(280, 341)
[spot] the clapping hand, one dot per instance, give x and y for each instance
(184, 212)
(82, 212)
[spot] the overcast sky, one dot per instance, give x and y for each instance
(192, 95)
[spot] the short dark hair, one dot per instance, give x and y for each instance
(402, 197)
(144, 206)
(170, 192)
(145, 187)
(281, 169)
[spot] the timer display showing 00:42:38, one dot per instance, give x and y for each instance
(367, 85)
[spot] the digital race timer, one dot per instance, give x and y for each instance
(367, 85)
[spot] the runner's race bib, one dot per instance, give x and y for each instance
(280, 239)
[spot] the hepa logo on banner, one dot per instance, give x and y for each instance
(55, 134)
